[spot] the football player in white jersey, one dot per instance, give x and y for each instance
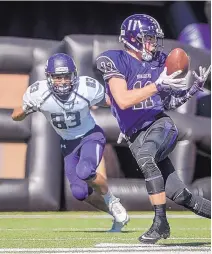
(65, 100)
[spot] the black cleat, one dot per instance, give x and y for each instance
(159, 229)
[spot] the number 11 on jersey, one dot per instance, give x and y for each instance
(148, 103)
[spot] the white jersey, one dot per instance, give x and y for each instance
(71, 119)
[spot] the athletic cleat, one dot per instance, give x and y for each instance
(119, 213)
(117, 226)
(159, 229)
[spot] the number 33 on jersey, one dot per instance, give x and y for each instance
(70, 119)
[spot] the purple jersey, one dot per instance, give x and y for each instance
(120, 64)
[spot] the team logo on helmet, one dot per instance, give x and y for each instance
(142, 33)
(61, 73)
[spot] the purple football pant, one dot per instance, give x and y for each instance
(81, 159)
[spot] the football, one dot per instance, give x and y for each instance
(177, 60)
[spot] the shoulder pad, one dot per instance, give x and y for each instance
(38, 88)
(109, 64)
(88, 81)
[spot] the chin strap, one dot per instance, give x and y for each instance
(146, 56)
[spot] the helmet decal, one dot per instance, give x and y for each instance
(142, 33)
(61, 74)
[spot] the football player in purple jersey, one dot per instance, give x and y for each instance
(140, 91)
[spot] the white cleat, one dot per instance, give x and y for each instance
(117, 226)
(121, 218)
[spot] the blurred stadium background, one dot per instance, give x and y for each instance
(31, 166)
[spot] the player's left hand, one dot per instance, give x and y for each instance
(200, 80)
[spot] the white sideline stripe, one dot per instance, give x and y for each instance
(89, 229)
(117, 245)
(111, 250)
(95, 238)
(100, 216)
(114, 252)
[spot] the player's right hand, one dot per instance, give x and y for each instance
(31, 105)
(165, 81)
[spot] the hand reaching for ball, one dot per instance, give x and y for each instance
(165, 81)
(203, 75)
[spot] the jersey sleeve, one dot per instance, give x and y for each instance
(108, 63)
(99, 95)
(178, 97)
(31, 92)
(95, 90)
(36, 94)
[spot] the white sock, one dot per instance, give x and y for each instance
(108, 197)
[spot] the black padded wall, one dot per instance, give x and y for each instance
(41, 188)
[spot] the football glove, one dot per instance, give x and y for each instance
(200, 80)
(165, 82)
(30, 105)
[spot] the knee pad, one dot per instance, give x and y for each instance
(182, 197)
(81, 192)
(86, 170)
(153, 177)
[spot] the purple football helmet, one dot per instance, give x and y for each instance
(61, 74)
(140, 30)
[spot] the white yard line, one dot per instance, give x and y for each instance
(113, 252)
(149, 246)
(141, 248)
(91, 216)
(117, 249)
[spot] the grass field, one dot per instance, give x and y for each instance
(86, 232)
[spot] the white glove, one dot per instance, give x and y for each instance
(31, 105)
(165, 81)
(200, 80)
